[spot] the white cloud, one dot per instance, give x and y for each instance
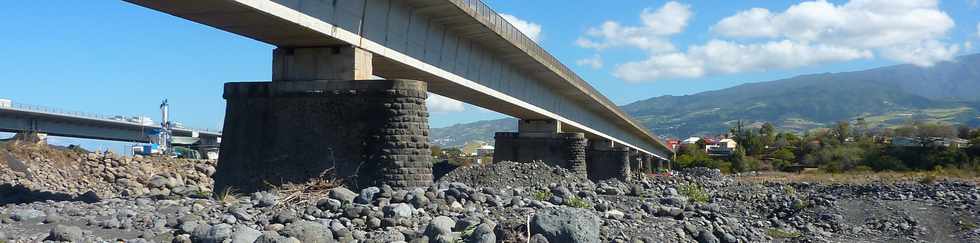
(530, 29)
(807, 33)
(441, 104)
(901, 30)
(594, 62)
(658, 24)
(724, 57)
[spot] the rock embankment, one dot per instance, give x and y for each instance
(38, 172)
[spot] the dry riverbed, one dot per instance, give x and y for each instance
(144, 200)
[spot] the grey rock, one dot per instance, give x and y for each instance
(265, 199)
(398, 210)
(244, 234)
(614, 214)
(189, 226)
(158, 181)
(213, 234)
(182, 238)
(240, 213)
(482, 234)
(309, 232)
(112, 223)
(329, 204)
(367, 195)
(538, 238)
(25, 214)
(66, 233)
(273, 237)
(53, 218)
(707, 237)
(441, 225)
(566, 225)
(419, 199)
(344, 195)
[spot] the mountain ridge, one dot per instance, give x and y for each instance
(883, 96)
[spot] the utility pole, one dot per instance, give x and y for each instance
(165, 128)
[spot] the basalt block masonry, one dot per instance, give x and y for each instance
(367, 132)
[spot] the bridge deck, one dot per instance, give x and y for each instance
(463, 49)
(30, 119)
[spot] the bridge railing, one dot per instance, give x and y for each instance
(115, 118)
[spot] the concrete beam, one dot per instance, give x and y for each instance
(538, 127)
(343, 62)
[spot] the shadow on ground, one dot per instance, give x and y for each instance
(16, 194)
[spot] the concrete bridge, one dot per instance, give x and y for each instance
(22, 118)
(322, 111)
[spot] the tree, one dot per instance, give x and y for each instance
(841, 131)
(837, 159)
(436, 151)
(963, 131)
(767, 134)
(861, 128)
(738, 159)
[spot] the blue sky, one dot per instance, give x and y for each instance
(112, 57)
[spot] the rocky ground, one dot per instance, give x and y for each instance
(168, 201)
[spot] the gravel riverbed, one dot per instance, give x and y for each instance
(170, 201)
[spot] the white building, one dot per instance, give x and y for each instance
(484, 150)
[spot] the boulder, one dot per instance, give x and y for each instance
(398, 210)
(572, 225)
(244, 234)
(309, 232)
(367, 195)
(66, 233)
(343, 195)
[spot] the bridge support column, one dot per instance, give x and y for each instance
(542, 140)
(367, 132)
(636, 162)
(647, 163)
(606, 160)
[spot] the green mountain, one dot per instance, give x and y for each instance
(886, 96)
(459, 134)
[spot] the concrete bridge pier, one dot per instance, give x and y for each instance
(646, 162)
(542, 140)
(607, 160)
(321, 118)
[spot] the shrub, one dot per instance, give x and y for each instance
(694, 192)
(789, 190)
(227, 196)
(543, 195)
(577, 202)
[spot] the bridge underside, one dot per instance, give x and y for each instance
(326, 49)
(461, 49)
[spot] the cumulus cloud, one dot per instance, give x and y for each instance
(725, 57)
(441, 104)
(652, 36)
(807, 33)
(530, 29)
(594, 62)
